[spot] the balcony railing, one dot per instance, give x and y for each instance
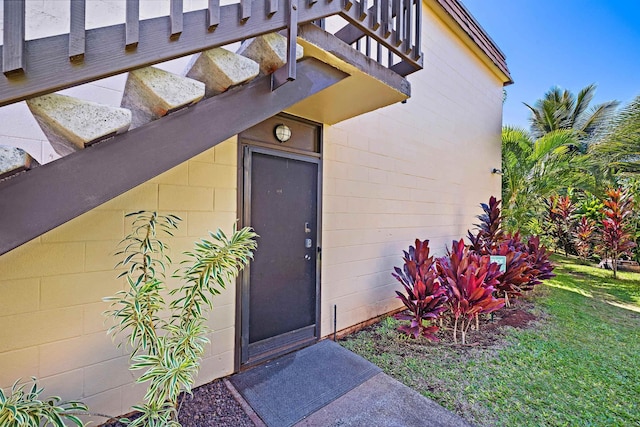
(386, 30)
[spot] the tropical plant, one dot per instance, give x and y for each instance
(542, 267)
(525, 264)
(561, 109)
(470, 280)
(534, 169)
(615, 236)
(20, 408)
(169, 350)
(618, 150)
(425, 298)
(590, 206)
(584, 235)
(560, 211)
(489, 230)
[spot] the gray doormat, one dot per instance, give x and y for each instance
(286, 390)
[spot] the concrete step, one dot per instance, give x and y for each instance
(220, 69)
(71, 124)
(151, 93)
(269, 50)
(14, 160)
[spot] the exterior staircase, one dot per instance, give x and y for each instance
(71, 124)
(106, 150)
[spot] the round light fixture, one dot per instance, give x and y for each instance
(282, 132)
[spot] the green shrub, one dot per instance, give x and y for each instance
(169, 350)
(28, 409)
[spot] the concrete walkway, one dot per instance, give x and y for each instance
(383, 402)
(380, 401)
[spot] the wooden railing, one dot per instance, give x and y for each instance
(389, 31)
(35, 67)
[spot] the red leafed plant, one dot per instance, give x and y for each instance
(470, 280)
(559, 215)
(542, 268)
(425, 298)
(518, 271)
(489, 231)
(615, 237)
(583, 237)
(526, 264)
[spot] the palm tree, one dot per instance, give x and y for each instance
(535, 169)
(561, 109)
(619, 148)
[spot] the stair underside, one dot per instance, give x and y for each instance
(335, 82)
(46, 197)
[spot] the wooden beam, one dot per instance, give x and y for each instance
(177, 19)
(287, 72)
(213, 16)
(362, 9)
(37, 201)
(398, 5)
(13, 55)
(408, 29)
(50, 70)
(132, 24)
(387, 26)
(77, 29)
(376, 14)
(418, 51)
(245, 10)
(272, 7)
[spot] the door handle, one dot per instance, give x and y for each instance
(307, 257)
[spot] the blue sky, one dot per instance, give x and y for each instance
(568, 43)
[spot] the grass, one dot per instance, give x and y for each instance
(579, 365)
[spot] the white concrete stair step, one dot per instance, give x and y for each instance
(14, 160)
(268, 50)
(220, 70)
(71, 124)
(151, 93)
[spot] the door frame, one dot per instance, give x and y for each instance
(246, 147)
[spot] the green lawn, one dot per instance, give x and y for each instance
(579, 365)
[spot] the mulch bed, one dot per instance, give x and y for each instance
(211, 405)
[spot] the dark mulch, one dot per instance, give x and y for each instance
(211, 405)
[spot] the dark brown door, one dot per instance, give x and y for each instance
(280, 288)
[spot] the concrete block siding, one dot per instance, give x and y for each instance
(410, 170)
(51, 288)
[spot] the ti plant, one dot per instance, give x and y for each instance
(489, 230)
(616, 238)
(425, 298)
(559, 215)
(169, 348)
(470, 280)
(526, 264)
(542, 267)
(583, 236)
(22, 408)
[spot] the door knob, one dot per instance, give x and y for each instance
(307, 257)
